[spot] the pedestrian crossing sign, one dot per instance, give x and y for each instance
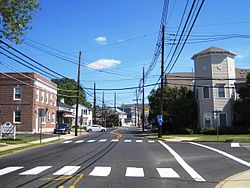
(160, 119)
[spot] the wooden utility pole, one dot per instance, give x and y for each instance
(143, 110)
(136, 99)
(94, 110)
(102, 107)
(78, 93)
(162, 79)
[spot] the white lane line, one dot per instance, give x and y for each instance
(114, 140)
(90, 141)
(127, 140)
(66, 170)
(79, 141)
(9, 169)
(139, 141)
(184, 165)
(151, 141)
(235, 145)
(68, 141)
(167, 173)
(100, 171)
(223, 153)
(134, 172)
(36, 170)
(103, 140)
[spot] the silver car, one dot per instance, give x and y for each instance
(95, 128)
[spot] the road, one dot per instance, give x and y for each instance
(123, 158)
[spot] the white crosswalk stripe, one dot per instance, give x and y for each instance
(90, 141)
(100, 171)
(134, 172)
(114, 140)
(167, 173)
(103, 140)
(36, 170)
(127, 141)
(151, 141)
(68, 141)
(139, 141)
(9, 169)
(66, 170)
(79, 141)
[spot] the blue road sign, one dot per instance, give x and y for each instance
(160, 119)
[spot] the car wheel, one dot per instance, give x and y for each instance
(102, 130)
(90, 130)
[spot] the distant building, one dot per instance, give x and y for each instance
(216, 92)
(84, 115)
(64, 112)
(22, 99)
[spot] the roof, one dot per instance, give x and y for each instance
(213, 50)
(64, 105)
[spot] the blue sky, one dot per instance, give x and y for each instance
(119, 37)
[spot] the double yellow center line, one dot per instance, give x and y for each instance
(118, 135)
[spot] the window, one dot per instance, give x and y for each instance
(42, 97)
(206, 92)
(197, 93)
(17, 93)
(222, 120)
(43, 118)
(221, 90)
(82, 112)
(37, 95)
(17, 116)
(47, 98)
(207, 119)
(52, 118)
(85, 111)
(51, 99)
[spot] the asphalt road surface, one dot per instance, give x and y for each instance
(123, 158)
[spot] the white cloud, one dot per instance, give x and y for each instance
(104, 64)
(239, 56)
(101, 40)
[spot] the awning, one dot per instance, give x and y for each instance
(68, 116)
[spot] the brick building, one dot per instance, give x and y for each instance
(23, 96)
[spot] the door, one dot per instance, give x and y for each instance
(222, 120)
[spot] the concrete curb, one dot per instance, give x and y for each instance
(240, 180)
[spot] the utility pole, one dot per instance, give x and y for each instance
(162, 79)
(115, 101)
(102, 107)
(78, 93)
(136, 99)
(94, 110)
(143, 110)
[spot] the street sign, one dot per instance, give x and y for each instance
(8, 129)
(160, 119)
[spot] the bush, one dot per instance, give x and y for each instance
(208, 131)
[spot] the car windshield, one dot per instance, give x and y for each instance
(62, 126)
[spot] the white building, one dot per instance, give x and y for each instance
(84, 115)
(215, 86)
(122, 116)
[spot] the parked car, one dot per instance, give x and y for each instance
(95, 128)
(62, 128)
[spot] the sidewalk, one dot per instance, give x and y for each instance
(241, 180)
(44, 140)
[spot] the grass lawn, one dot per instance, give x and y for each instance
(208, 138)
(20, 139)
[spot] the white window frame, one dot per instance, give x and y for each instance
(14, 117)
(218, 86)
(37, 95)
(43, 119)
(203, 92)
(42, 97)
(53, 116)
(48, 116)
(14, 94)
(203, 117)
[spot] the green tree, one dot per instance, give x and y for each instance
(15, 16)
(70, 84)
(242, 105)
(179, 108)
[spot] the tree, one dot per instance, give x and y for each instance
(15, 16)
(179, 108)
(242, 105)
(70, 84)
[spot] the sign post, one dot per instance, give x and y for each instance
(42, 113)
(216, 122)
(160, 121)
(8, 129)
